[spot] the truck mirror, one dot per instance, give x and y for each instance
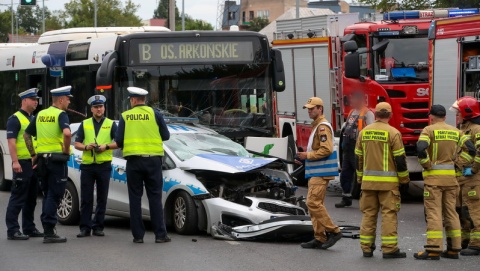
(278, 72)
(381, 46)
(104, 78)
(350, 46)
(352, 65)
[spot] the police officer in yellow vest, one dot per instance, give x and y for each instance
(25, 185)
(94, 138)
(141, 132)
(321, 166)
(381, 168)
(442, 149)
(51, 127)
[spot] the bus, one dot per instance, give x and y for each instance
(222, 80)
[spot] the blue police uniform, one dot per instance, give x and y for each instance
(25, 186)
(145, 169)
(54, 173)
(96, 173)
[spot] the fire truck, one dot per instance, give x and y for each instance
(454, 60)
(387, 59)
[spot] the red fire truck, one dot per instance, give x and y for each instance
(454, 60)
(387, 59)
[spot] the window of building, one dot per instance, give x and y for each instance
(244, 17)
(231, 15)
(263, 14)
(252, 15)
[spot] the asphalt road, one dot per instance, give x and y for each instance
(116, 251)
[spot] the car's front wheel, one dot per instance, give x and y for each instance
(185, 217)
(68, 211)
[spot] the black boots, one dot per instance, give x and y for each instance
(51, 236)
(346, 202)
(312, 244)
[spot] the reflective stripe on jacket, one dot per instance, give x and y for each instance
(103, 137)
(325, 167)
(49, 134)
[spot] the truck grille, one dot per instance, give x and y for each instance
(413, 105)
(416, 125)
(393, 93)
(274, 208)
(416, 115)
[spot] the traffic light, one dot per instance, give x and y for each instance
(28, 2)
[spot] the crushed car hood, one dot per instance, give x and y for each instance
(225, 163)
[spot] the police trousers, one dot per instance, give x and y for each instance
(148, 171)
(371, 202)
(470, 195)
(321, 221)
(23, 198)
(440, 212)
(53, 181)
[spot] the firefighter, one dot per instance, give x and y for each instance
(359, 117)
(468, 114)
(382, 167)
(321, 167)
(438, 154)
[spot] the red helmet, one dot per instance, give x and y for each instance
(468, 107)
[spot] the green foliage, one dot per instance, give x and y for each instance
(457, 3)
(389, 5)
(258, 24)
(190, 24)
(80, 13)
(5, 25)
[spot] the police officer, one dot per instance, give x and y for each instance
(25, 186)
(437, 153)
(94, 138)
(52, 129)
(381, 168)
(468, 115)
(141, 132)
(359, 117)
(320, 167)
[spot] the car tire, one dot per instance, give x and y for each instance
(4, 184)
(184, 215)
(68, 211)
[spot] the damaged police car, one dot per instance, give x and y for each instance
(208, 180)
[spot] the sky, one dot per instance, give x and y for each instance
(198, 9)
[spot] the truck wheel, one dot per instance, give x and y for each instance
(4, 184)
(68, 211)
(185, 218)
(356, 188)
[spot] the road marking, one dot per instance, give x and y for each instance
(233, 243)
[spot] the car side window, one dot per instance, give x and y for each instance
(167, 163)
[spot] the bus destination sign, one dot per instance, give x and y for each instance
(196, 52)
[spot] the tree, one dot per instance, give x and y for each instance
(80, 13)
(258, 24)
(55, 21)
(457, 3)
(5, 25)
(190, 24)
(389, 5)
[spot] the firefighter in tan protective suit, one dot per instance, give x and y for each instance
(320, 167)
(442, 149)
(381, 168)
(468, 115)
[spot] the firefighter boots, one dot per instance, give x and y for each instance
(470, 251)
(395, 255)
(427, 255)
(449, 254)
(312, 244)
(346, 202)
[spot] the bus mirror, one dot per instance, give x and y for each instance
(381, 46)
(105, 72)
(278, 72)
(350, 46)
(352, 65)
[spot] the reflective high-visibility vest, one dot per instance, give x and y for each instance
(325, 167)
(49, 134)
(142, 135)
(21, 147)
(103, 137)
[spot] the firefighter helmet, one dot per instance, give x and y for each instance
(468, 107)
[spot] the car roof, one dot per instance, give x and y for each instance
(173, 128)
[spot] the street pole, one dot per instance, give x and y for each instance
(12, 22)
(43, 16)
(297, 9)
(171, 14)
(95, 13)
(183, 15)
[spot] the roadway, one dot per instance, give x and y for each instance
(116, 251)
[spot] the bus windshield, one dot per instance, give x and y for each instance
(229, 98)
(404, 60)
